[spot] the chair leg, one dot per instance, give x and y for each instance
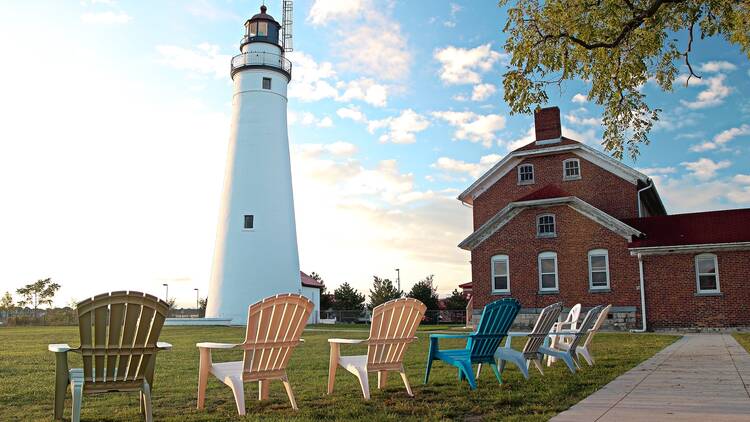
(76, 389)
(288, 388)
(430, 358)
(364, 382)
(333, 363)
(586, 355)
(406, 383)
(238, 389)
(146, 395)
(479, 370)
(203, 372)
(466, 371)
(497, 373)
(61, 383)
(263, 389)
(538, 364)
(382, 379)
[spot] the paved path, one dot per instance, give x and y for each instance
(701, 377)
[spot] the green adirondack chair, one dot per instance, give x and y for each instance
(119, 333)
(497, 318)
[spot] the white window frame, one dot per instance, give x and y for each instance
(570, 160)
(548, 255)
(494, 259)
(533, 175)
(593, 253)
(698, 273)
(554, 225)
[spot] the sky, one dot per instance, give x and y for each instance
(115, 121)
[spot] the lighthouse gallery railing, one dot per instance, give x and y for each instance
(259, 58)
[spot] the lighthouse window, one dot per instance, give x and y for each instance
(266, 83)
(262, 29)
(253, 29)
(249, 222)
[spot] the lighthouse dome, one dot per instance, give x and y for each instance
(261, 28)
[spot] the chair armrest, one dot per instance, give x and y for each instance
(346, 340)
(440, 335)
(59, 348)
(210, 345)
(163, 345)
(517, 334)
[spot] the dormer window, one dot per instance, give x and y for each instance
(545, 225)
(526, 174)
(571, 169)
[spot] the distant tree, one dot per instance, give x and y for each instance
(382, 291)
(72, 303)
(6, 303)
(346, 298)
(326, 299)
(41, 292)
(202, 304)
(456, 301)
(424, 292)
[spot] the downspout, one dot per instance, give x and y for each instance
(643, 297)
(650, 185)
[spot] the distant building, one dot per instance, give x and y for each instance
(311, 289)
(556, 220)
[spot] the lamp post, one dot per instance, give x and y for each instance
(398, 278)
(166, 295)
(197, 302)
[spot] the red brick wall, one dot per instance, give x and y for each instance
(598, 187)
(576, 236)
(671, 300)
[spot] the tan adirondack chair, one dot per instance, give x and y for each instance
(274, 327)
(394, 324)
(583, 349)
(119, 333)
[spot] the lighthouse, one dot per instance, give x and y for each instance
(255, 255)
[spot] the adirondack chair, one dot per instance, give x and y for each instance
(583, 349)
(534, 349)
(274, 327)
(568, 351)
(496, 319)
(119, 333)
(570, 323)
(393, 326)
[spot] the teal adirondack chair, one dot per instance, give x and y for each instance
(480, 345)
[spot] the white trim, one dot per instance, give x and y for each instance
(707, 247)
(548, 255)
(554, 225)
(494, 259)
(549, 141)
(578, 167)
(593, 253)
(715, 274)
(518, 174)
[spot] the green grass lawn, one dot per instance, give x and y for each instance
(27, 378)
(743, 339)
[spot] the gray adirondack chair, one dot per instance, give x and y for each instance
(585, 331)
(119, 333)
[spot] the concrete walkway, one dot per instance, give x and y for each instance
(701, 377)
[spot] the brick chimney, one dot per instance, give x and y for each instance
(547, 124)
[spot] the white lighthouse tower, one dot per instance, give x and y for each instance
(256, 242)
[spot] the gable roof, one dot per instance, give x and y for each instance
(497, 221)
(308, 281)
(511, 160)
(699, 228)
(548, 191)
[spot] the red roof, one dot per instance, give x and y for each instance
(465, 285)
(534, 145)
(309, 281)
(729, 226)
(547, 192)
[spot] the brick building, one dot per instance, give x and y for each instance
(557, 220)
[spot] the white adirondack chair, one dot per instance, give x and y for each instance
(394, 324)
(274, 327)
(534, 349)
(568, 351)
(570, 323)
(119, 333)
(583, 349)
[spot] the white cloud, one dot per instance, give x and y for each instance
(400, 129)
(363, 89)
(451, 22)
(375, 48)
(722, 138)
(742, 179)
(204, 59)
(472, 169)
(207, 9)
(657, 170)
(573, 118)
(352, 113)
(705, 168)
(717, 66)
(106, 18)
(308, 119)
(482, 91)
(340, 149)
(465, 66)
(579, 98)
(324, 11)
(312, 81)
(713, 95)
(472, 126)
(686, 194)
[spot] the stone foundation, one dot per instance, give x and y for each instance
(620, 318)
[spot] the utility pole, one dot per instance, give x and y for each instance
(166, 295)
(398, 278)
(197, 302)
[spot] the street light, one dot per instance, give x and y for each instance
(197, 302)
(166, 296)
(398, 278)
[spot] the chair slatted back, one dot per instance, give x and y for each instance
(599, 321)
(586, 325)
(274, 328)
(542, 327)
(119, 331)
(493, 326)
(573, 315)
(393, 327)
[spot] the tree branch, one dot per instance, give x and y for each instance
(687, 53)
